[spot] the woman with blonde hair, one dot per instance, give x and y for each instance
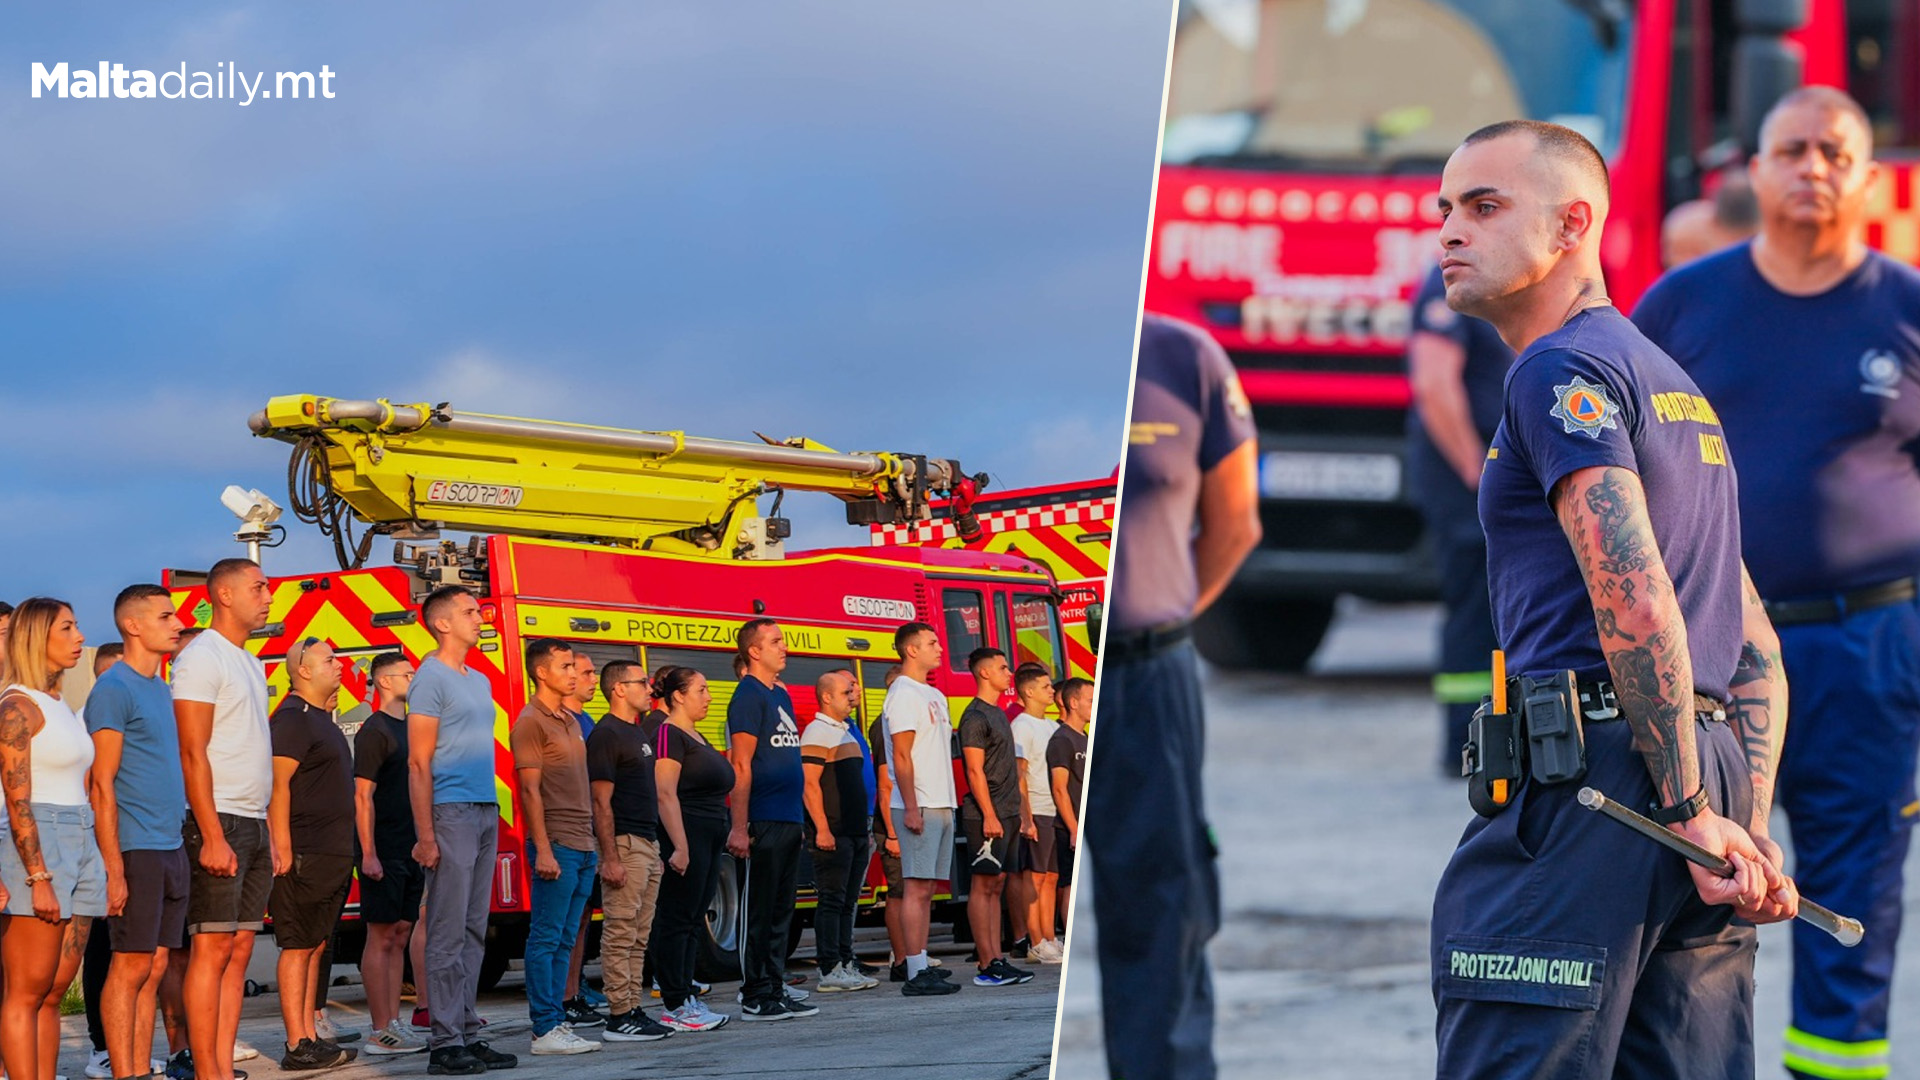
(52, 881)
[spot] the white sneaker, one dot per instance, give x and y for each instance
(325, 1028)
(99, 1067)
(562, 1040)
(844, 978)
(394, 1039)
(796, 994)
(692, 1016)
(1047, 952)
(243, 1052)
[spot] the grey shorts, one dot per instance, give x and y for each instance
(928, 854)
(72, 857)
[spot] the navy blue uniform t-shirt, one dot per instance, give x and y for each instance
(1598, 393)
(766, 713)
(1487, 357)
(1188, 414)
(1820, 396)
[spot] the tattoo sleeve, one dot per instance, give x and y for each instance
(1758, 711)
(19, 716)
(1603, 511)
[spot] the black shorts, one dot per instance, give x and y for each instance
(397, 896)
(1042, 853)
(306, 900)
(1063, 853)
(222, 905)
(155, 917)
(998, 856)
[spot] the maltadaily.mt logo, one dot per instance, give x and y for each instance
(226, 82)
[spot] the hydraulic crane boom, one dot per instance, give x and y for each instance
(414, 469)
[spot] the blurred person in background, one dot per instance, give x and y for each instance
(1457, 365)
(1190, 486)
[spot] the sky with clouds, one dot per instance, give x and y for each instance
(887, 226)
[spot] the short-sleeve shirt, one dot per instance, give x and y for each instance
(380, 756)
(549, 740)
(984, 727)
(1068, 750)
(1598, 393)
(1487, 357)
(844, 792)
(766, 713)
(1820, 396)
(706, 776)
(1189, 413)
(619, 753)
(913, 706)
(213, 670)
(877, 746)
(463, 747)
(150, 789)
(320, 793)
(1031, 735)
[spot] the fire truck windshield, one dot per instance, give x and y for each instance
(1386, 85)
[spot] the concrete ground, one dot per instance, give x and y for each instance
(1334, 825)
(1002, 1033)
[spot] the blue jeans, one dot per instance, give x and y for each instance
(557, 906)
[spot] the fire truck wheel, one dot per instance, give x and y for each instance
(719, 957)
(1265, 634)
(505, 944)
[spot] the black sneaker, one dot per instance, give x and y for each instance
(799, 1008)
(928, 984)
(895, 973)
(309, 1056)
(491, 1058)
(870, 971)
(770, 1009)
(180, 1066)
(454, 1061)
(329, 1044)
(1020, 949)
(1006, 970)
(582, 1015)
(635, 1026)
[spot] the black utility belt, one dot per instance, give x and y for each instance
(1145, 644)
(1837, 607)
(1540, 735)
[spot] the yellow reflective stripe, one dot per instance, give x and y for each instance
(1462, 687)
(1836, 1060)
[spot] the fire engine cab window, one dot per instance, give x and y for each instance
(1271, 83)
(966, 629)
(1036, 634)
(1883, 48)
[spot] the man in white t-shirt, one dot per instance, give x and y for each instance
(1038, 881)
(919, 729)
(226, 752)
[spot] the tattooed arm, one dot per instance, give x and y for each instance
(1758, 711)
(20, 721)
(1603, 510)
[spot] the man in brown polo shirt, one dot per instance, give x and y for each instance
(556, 802)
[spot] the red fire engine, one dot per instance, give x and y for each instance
(1295, 216)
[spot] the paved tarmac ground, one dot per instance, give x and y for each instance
(1334, 825)
(1002, 1033)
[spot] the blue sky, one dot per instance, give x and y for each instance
(887, 226)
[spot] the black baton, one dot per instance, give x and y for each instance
(1846, 931)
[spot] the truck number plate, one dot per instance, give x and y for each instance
(1286, 474)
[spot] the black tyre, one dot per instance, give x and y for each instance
(505, 944)
(1252, 634)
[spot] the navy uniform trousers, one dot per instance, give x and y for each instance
(1156, 892)
(1566, 945)
(1847, 785)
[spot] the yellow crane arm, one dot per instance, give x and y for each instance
(422, 467)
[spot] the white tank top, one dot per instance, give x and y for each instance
(62, 752)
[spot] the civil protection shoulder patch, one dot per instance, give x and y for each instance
(1583, 407)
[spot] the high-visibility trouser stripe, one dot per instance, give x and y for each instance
(1462, 687)
(1815, 1056)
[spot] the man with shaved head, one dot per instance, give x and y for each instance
(1808, 345)
(1564, 944)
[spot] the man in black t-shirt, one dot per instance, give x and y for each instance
(992, 813)
(310, 820)
(391, 883)
(625, 825)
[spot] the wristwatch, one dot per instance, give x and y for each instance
(1683, 811)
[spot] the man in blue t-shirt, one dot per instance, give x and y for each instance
(1613, 553)
(139, 801)
(764, 739)
(1457, 365)
(1193, 513)
(1808, 345)
(456, 820)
